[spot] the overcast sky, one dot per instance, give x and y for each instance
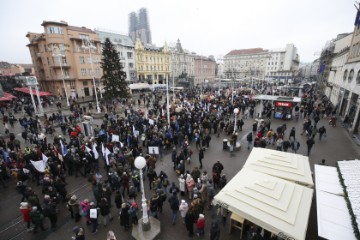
(206, 27)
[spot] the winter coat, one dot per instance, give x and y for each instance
(190, 184)
(124, 216)
(182, 184)
(26, 215)
(184, 207)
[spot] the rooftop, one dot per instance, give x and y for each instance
(246, 51)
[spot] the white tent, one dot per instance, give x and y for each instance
(288, 166)
(137, 86)
(277, 205)
(334, 221)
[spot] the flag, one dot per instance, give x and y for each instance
(45, 158)
(321, 68)
(39, 165)
(88, 150)
(357, 19)
(5, 155)
(96, 154)
(64, 149)
(107, 152)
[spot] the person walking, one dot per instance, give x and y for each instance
(174, 206)
(184, 207)
(74, 207)
(200, 225)
(182, 185)
(249, 139)
(133, 213)
(37, 218)
(322, 132)
(214, 228)
(79, 233)
(25, 210)
(93, 212)
(201, 156)
(105, 211)
(295, 145)
(310, 143)
(124, 216)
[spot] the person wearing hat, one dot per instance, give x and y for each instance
(25, 210)
(93, 212)
(200, 225)
(79, 233)
(110, 235)
(74, 206)
(85, 205)
(182, 185)
(133, 213)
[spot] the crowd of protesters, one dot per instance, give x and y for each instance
(126, 134)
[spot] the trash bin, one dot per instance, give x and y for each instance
(225, 141)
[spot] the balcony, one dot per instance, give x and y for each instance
(57, 65)
(66, 78)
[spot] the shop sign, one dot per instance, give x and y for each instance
(283, 104)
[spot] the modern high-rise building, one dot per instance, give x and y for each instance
(139, 26)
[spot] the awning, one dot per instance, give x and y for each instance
(7, 97)
(285, 165)
(277, 205)
(26, 90)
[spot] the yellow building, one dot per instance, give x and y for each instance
(61, 54)
(152, 63)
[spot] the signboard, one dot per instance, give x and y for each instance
(31, 81)
(284, 104)
(154, 150)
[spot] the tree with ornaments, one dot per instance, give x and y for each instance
(113, 75)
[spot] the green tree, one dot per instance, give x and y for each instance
(113, 74)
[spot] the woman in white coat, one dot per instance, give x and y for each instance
(182, 185)
(183, 208)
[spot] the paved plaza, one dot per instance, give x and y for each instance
(338, 145)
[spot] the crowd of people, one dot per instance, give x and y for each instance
(126, 134)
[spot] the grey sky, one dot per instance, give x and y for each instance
(204, 26)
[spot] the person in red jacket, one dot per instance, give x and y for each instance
(25, 210)
(200, 225)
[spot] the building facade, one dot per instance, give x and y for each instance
(16, 69)
(59, 54)
(181, 65)
(152, 63)
(246, 63)
(139, 26)
(204, 70)
(283, 64)
(125, 47)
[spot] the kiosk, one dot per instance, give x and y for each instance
(282, 105)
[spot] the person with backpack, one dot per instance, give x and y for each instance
(174, 206)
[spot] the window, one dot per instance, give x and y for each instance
(129, 55)
(97, 71)
(131, 65)
(351, 75)
(83, 72)
(358, 77)
(91, 72)
(83, 37)
(85, 83)
(89, 60)
(345, 75)
(66, 73)
(82, 60)
(54, 30)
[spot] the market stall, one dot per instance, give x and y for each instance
(33, 92)
(333, 217)
(7, 97)
(279, 206)
(285, 165)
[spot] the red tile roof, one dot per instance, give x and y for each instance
(247, 51)
(80, 29)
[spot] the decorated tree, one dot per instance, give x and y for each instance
(113, 75)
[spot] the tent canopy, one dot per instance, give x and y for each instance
(136, 86)
(7, 97)
(334, 221)
(26, 90)
(277, 205)
(288, 166)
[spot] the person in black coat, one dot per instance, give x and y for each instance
(124, 216)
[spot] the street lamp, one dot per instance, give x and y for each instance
(236, 111)
(88, 46)
(167, 102)
(60, 57)
(140, 163)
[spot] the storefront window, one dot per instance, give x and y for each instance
(351, 75)
(345, 75)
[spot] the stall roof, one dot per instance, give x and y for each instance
(7, 97)
(277, 205)
(277, 98)
(288, 166)
(139, 86)
(26, 90)
(334, 221)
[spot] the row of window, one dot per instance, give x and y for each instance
(350, 75)
(355, 52)
(151, 68)
(95, 60)
(91, 72)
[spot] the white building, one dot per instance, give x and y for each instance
(125, 47)
(283, 63)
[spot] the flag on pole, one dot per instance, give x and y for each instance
(88, 150)
(64, 149)
(96, 154)
(38, 165)
(45, 158)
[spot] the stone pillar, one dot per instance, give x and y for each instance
(41, 110)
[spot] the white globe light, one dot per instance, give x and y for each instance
(236, 110)
(140, 162)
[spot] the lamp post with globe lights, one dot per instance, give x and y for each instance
(56, 53)
(236, 112)
(140, 163)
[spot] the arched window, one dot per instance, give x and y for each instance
(358, 77)
(345, 75)
(351, 75)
